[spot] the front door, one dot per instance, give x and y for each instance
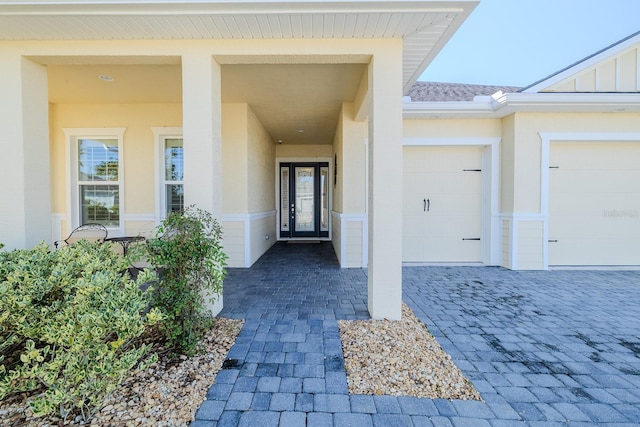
(304, 200)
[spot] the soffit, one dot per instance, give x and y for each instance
(425, 26)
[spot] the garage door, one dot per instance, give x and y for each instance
(442, 204)
(594, 203)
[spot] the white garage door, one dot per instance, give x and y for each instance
(594, 203)
(442, 204)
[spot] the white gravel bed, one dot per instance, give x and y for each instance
(400, 358)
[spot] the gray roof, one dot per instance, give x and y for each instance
(432, 91)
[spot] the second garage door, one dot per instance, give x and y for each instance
(442, 208)
(594, 203)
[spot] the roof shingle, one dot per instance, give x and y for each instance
(433, 91)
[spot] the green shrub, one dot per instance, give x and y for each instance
(69, 326)
(188, 256)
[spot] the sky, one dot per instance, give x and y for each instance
(518, 42)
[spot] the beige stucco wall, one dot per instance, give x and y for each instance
(234, 158)
(284, 151)
(451, 128)
(352, 161)
(248, 162)
(260, 166)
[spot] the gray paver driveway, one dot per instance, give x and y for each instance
(543, 348)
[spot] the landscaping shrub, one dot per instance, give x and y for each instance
(188, 256)
(70, 323)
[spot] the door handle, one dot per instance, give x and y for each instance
(427, 204)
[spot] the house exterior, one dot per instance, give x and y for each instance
(286, 120)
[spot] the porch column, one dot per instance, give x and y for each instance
(25, 216)
(385, 185)
(201, 123)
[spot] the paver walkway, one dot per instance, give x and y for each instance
(543, 348)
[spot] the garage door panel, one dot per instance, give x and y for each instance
(594, 204)
(602, 155)
(433, 231)
(583, 181)
(583, 227)
(613, 252)
(446, 159)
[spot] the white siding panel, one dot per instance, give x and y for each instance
(354, 244)
(233, 242)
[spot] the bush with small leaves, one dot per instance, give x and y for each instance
(188, 256)
(70, 326)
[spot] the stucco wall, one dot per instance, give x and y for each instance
(234, 158)
(260, 166)
(354, 161)
(451, 128)
(304, 151)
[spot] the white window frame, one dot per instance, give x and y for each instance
(72, 135)
(160, 134)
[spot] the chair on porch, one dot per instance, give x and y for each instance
(90, 232)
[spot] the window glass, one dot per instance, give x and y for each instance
(173, 174)
(175, 197)
(98, 181)
(98, 160)
(100, 204)
(173, 159)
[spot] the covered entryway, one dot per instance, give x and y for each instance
(304, 200)
(442, 209)
(594, 203)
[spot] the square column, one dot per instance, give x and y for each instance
(385, 186)
(202, 124)
(25, 219)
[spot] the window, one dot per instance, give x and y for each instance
(95, 177)
(170, 176)
(173, 174)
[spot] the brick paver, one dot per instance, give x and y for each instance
(543, 348)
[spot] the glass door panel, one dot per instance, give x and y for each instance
(304, 200)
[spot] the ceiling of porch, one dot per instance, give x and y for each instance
(296, 103)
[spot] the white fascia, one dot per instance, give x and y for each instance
(502, 105)
(230, 6)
